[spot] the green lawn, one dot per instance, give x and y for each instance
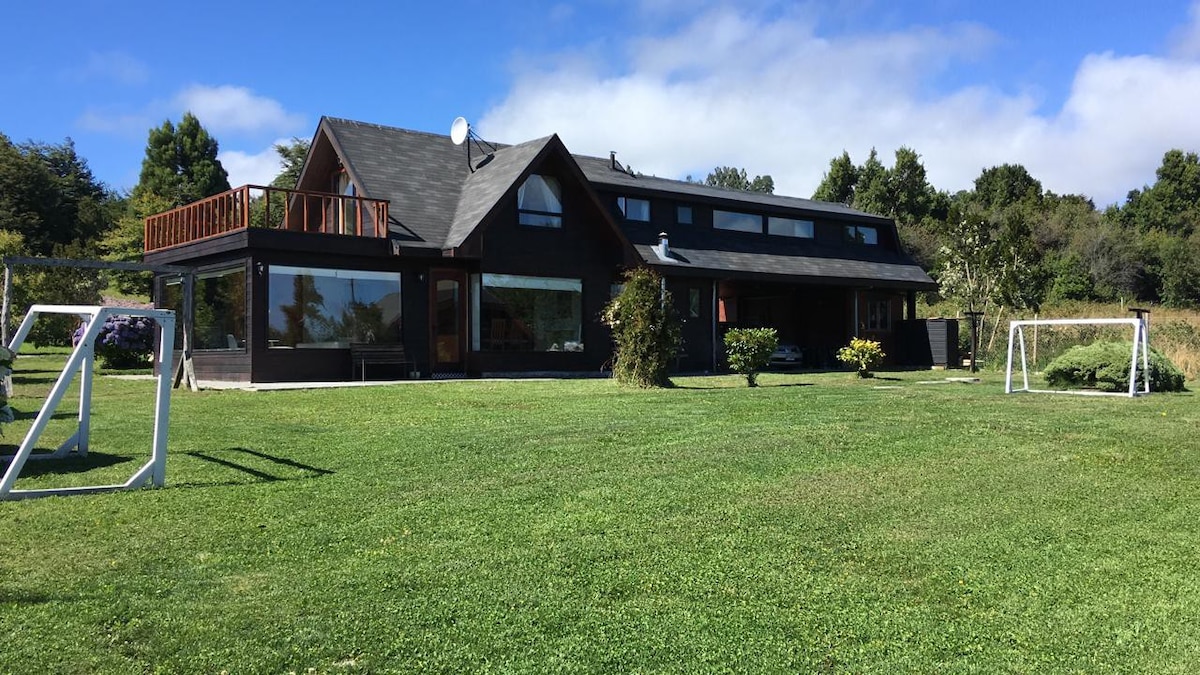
(816, 523)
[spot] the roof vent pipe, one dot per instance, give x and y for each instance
(664, 248)
(612, 159)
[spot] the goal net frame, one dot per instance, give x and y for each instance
(1141, 348)
(80, 361)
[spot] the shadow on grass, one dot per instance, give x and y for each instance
(32, 415)
(23, 598)
(35, 466)
(237, 459)
(743, 386)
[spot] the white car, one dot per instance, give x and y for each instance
(787, 355)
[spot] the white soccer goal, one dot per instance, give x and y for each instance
(80, 361)
(1016, 339)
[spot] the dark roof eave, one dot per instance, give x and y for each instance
(671, 269)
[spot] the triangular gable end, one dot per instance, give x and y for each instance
(325, 156)
(469, 226)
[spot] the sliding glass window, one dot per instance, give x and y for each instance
(317, 308)
(528, 314)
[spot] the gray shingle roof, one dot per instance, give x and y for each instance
(599, 171)
(421, 173)
(892, 273)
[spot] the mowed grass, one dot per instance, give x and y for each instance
(814, 524)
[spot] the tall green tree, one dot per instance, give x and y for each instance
(872, 192)
(737, 179)
(837, 185)
(181, 163)
(291, 156)
(180, 166)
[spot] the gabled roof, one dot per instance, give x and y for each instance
(483, 189)
(422, 174)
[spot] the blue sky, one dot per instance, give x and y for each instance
(1088, 96)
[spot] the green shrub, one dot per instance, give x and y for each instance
(862, 355)
(645, 330)
(748, 350)
(1105, 365)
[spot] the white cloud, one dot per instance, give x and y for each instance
(246, 168)
(775, 96)
(232, 109)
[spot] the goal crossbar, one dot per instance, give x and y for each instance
(1141, 348)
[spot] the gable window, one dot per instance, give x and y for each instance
(683, 214)
(789, 227)
(539, 202)
(738, 222)
(634, 209)
(862, 234)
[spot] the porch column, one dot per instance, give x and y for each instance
(910, 301)
(855, 331)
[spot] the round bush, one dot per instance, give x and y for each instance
(1105, 365)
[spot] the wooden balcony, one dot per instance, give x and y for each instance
(267, 207)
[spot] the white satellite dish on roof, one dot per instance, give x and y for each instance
(459, 129)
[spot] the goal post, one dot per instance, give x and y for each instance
(1140, 350)
(80, 361)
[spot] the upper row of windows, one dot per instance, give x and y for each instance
(539, 203)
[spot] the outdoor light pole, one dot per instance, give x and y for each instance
(974, 318)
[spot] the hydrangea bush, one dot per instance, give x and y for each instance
(124, 341)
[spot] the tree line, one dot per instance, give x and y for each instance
(1010, 242)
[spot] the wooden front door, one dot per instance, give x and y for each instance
(448, 321)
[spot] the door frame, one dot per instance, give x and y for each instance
(459, 276)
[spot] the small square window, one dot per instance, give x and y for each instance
(683, 215)
(634, 209)
(861, 234)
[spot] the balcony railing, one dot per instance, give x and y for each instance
(267, 207)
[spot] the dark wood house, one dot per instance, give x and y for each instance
(500, 261)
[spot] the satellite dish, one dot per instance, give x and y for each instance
(459, 130)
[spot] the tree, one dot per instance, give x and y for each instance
(736, 179)
(872, 193)
(181, 163)
(49, 196)
(1006, 185)
(837, 185)
(292, 156)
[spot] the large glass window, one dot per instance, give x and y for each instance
(326, 308)
(788, 227)
(219, 308)
(738, 222)
(634, 209)
(539, 202)
(862, 234)
(529, 314)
